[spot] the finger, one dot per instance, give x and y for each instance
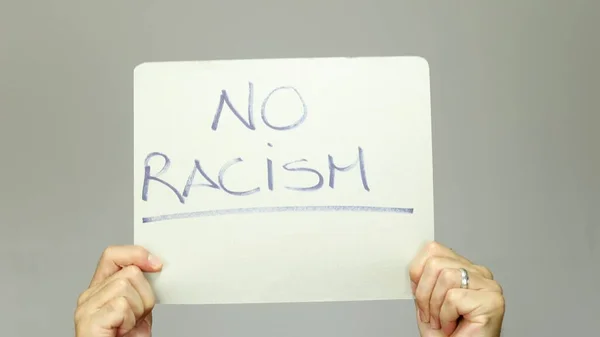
(117, 288)
(451, 278)
(142, 329)
(425, 328)
(116, 257)
(429, 250)
(142, 286)
(431, 271)
(475, 306)
(136, 279)
(116, 316)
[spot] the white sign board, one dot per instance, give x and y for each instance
(283, 180)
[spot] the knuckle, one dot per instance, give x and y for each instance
(150, 301)
(433, 247)
(455, 295)
(151, 297)
(133, 272)
(413, 275)
(79, 314)
(120, 304)
(422, 299)
(81, 298)
(107, 253)
(149, 306)
(108, 250)
(139, 252)
(121, 283)
(447, 277)
(433, 264)
(485, 320)
(414, 272)
(497, 287)
(134, 251)
(498, 301)
(486, 272)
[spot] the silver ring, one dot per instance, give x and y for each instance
(464, 278)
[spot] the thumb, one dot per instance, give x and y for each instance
(117, 257)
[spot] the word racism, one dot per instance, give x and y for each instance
(298, 166)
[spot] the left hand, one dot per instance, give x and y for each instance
(446, 309)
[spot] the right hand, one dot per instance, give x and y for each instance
(119, 300)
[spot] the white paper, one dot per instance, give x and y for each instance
(351, 242)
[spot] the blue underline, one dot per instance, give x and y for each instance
(254, 210)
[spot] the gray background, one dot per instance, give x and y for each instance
(515, 119)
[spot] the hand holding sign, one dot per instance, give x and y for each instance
(119, 300)
(447, 306)
(283, 180)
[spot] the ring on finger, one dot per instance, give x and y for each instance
(464, 278)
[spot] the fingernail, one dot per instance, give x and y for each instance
(154, 261)
(434, 324)
(422, 316)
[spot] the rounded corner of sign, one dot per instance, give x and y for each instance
(139, 67)
(422, 60)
